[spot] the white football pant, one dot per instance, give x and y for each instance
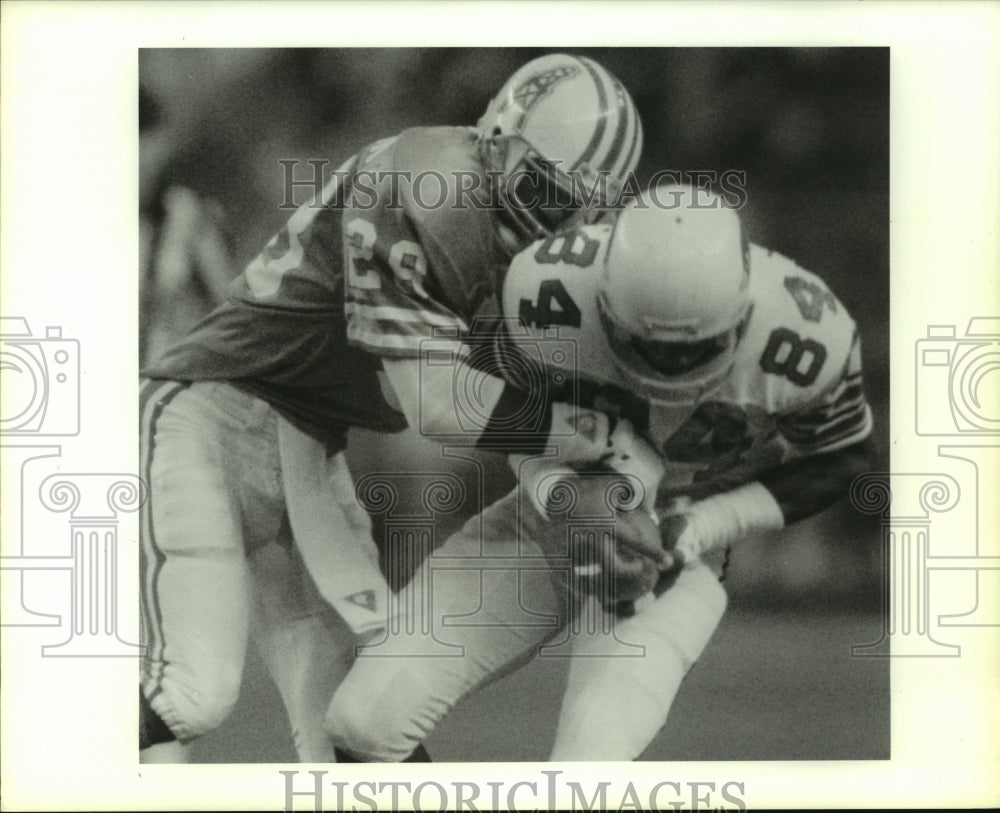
(614, 706)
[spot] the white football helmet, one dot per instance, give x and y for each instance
(674, 300)
(560, 131)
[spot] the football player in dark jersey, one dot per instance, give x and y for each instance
(244, 421)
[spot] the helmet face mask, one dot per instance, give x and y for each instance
(672, 371)
(559, 138)
(677, 358)
(538, 199)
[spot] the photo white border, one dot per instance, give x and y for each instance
(69, 248)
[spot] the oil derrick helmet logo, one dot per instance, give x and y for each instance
(538, 85)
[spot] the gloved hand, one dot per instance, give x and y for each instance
(612, 541)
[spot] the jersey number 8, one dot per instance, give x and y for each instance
(555, 306)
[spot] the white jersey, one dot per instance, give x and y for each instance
(795, 387)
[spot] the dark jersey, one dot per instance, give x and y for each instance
(390, 254)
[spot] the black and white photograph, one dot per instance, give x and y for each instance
(455, 423)
(735, 190)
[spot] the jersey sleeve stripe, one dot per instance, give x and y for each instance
(812, 436)
(843, 406)
(849, 389)
(396, 330)
(851, 432)
(392, 314)
(388, 337)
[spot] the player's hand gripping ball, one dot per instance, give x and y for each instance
(612, 541)
(676, 534)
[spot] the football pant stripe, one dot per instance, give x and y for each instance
(153, 398)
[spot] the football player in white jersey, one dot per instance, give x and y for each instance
(732, 381)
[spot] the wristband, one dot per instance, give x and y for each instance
(722, 519)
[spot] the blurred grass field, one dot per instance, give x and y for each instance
(776, 684)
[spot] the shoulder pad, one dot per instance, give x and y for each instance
(411, 188)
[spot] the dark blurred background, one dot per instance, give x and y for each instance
(808, 126)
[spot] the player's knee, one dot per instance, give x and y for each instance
(349, 727)
(356, 725)
(206, 706)
(378, 722)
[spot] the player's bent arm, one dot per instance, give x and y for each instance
(808, 485)
(503, 418)
(595, 439)
(827, 446)
(424, 394)
(788, 493)
(546, 481)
